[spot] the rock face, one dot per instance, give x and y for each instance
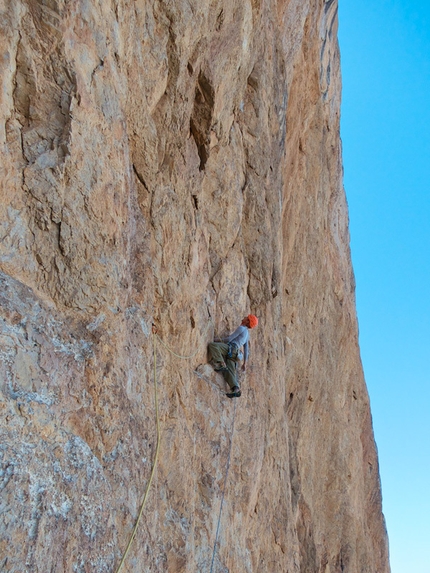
(178, 163)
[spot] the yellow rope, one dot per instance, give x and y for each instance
(133, 535)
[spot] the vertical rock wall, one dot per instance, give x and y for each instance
(178, 163)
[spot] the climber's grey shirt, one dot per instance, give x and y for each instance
(240, 337)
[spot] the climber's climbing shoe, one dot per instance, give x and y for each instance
(236, 393)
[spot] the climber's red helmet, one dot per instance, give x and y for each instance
(250, 321)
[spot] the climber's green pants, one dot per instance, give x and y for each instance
(218, 355)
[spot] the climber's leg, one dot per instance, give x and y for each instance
(230, 374)
(217, 354)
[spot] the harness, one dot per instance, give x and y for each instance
(233, 350)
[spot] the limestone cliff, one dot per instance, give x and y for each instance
(178, 162)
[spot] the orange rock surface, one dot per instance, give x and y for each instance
(178, 163)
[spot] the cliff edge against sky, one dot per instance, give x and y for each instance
(178, 163)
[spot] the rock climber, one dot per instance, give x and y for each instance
(225, 353)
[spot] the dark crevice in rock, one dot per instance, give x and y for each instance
(140, 178)
(220, 20)
(201, 117)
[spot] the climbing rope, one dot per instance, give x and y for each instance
(224, 488)
(154, 465)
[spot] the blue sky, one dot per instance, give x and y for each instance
(385, 128)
